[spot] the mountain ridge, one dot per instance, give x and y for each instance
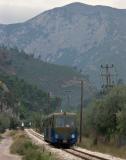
(76, 35)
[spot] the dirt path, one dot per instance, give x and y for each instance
(5, 151)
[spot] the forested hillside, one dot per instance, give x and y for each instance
(21, 101)
(48, 77)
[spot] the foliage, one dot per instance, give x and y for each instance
(13, 123)
(21, 145)
(37, 122)
(23, 101)
(49, 77)
(4, 122)
(121, 121)
(106, 117)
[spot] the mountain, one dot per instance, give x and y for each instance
(52, 78)
(76, 35)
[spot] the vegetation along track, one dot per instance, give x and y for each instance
(73, 151)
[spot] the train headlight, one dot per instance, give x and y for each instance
(56, 136)
(73, 136)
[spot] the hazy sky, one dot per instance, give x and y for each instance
(12, 11)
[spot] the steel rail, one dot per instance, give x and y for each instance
(77, 154)
(89, 154)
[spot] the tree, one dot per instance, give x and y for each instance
(4, 122)
(121, 121)
(107, 116)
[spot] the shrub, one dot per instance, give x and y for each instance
(23, 146)
(107, 116)
(4, 122)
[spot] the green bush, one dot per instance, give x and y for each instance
(106, 117)
(4, 122)
(23, 146)
(36, 155)
(0, 137)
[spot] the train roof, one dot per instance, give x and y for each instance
(62, 113)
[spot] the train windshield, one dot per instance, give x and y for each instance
(65, 121)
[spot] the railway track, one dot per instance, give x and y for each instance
(36, 134)
(74, 151)
(84, 155)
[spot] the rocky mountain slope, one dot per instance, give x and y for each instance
(76, 35)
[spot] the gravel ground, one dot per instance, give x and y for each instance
(5, 149)
(110, 157)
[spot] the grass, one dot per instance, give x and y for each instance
(23, 146)
(104, 148)
(0, 137)
(12, 133)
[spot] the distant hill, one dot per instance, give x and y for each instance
(22, 102)
(21, 96)
(49, 77)
(76, 35)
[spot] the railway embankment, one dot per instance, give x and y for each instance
(75, 153)
(59, 153)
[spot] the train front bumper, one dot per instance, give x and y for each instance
(65, 140)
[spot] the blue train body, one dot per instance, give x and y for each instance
(60, 128)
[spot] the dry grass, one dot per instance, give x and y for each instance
(11, 133)
(23, 146)
(0, 137)
(104, 148)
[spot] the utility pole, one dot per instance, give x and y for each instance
(48, 110)
(68, 97)
(81, 110)
(107, 76)
(81, 107)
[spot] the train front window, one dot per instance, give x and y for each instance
(65, 121)
(59, 121)
(69, 121)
